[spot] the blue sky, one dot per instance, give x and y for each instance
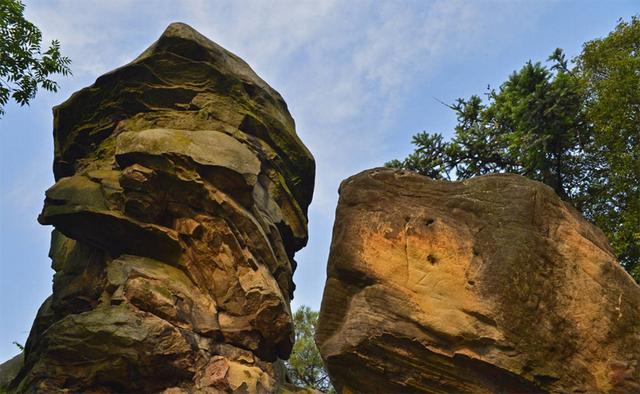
(359, 76)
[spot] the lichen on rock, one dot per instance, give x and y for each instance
(180, 200)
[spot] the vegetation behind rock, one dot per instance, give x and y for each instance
(577, 129)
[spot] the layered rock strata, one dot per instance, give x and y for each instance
(488, 285)
(180, 200)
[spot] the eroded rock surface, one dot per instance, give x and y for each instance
(488, 285)
(180, 200)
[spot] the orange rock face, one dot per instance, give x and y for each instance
(180, 200)
(487, 285)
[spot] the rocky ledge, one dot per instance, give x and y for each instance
(489, 285)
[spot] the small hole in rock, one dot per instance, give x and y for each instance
(432, 259)
(430, 222)
(471, 282)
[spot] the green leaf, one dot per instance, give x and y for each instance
(23, 66)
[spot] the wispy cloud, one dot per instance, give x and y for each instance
(353, 73)
(344, 67)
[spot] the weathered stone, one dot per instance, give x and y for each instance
(181, 199)
(492, 284)
(9, 369)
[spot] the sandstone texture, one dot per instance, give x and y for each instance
(489, 285)
(180, 200)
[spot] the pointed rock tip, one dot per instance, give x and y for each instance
(182, 30)
(226, 59)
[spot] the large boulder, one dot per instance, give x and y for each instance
(180, 200)
(492, 284)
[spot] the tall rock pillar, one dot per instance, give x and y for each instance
(180, 200)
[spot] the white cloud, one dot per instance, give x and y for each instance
(336, 57)
(344, 67)
(385, 44)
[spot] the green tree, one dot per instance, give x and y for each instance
(575, 129)
(23, 65)
(533, 125)
(610, 70)
(305, 366)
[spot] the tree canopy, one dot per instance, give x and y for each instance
(23, 65)
(577, 129)
(610, 70)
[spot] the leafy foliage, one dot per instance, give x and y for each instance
(23, 65)
(610, 69)
(305, 366)
(575, 129)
